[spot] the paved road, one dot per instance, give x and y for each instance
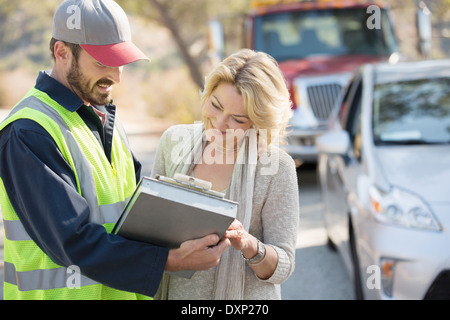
(319, 272)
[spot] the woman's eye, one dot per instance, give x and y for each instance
(215, 106)
(239, 121)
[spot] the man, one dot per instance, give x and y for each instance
(66, 173)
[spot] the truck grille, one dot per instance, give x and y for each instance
(322, 98)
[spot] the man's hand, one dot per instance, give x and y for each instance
(199, 254)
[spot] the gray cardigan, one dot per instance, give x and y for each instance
(275, 218)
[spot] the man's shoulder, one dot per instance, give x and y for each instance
(23, 126)
(25, 132)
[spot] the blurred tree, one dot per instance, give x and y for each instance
(174, 28)
(187, 21)
(439, 8)
(25, 26)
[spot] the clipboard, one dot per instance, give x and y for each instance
(166, 212)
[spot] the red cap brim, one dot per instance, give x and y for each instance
(115, 55)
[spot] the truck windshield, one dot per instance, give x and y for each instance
(301, 34)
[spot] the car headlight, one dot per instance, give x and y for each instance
(402, 208)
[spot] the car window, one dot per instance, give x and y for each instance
(353, 118)
(347, 101)
(412, 112)
(353, 125)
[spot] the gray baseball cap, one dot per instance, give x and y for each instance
(100, 27)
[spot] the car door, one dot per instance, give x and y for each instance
(341, 172)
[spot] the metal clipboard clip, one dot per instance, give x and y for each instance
(191, 183)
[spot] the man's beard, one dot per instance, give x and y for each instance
(82, 89)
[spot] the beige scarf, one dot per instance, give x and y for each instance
(230, 273)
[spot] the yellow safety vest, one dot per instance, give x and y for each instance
(29, 273)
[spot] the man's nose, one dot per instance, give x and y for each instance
(116, 74)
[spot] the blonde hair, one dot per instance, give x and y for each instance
(258, 79)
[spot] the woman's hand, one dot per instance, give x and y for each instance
(248, 245)
(238, 237)
(242, 240)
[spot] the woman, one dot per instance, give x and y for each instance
(246, 109)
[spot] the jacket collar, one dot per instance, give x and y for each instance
(58, 92)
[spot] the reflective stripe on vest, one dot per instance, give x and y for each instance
(15, 231)
(39, 107)
(41, 279)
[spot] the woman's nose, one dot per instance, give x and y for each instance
(222, 123)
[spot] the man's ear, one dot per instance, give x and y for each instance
(62, 52)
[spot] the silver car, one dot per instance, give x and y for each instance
(384, 172)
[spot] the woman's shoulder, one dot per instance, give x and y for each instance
(276, 175)
(276, 159)
(178, 131)
(180, 128)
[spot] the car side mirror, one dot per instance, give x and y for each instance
(334, 142)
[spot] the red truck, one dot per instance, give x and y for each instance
(318, 44)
